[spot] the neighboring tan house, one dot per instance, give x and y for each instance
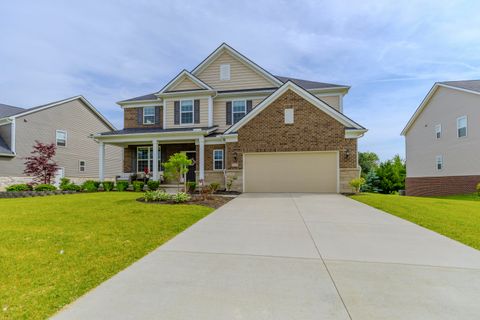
(70, 124)
(443, 141)
(238, 121)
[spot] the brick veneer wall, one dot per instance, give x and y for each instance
(209, 155)
(130, 119)
(441, 186)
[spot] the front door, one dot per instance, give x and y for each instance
(191, 169)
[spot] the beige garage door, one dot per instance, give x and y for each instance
(291, 172)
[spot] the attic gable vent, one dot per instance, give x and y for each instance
(224, 72)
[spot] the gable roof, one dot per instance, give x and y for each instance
(7, 110)
(289, 85)
(179, 77)
(225, 47)
(309, 85)
(470, 86)
(146, 97)
(24, 112)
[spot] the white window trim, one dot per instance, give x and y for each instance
(80, 166)
(245, 103)
(286, 120)
(438, 129)
(227, 76)
(193, 111)
(66, 138)
(154, 115)
(439, 160)
(223, 160)
(466, 126)
(148, 158)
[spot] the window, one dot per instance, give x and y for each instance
(438, 131)
(82, 165)
(239, 109)
(224, 72)
(462, 127)
(288, 116)
(148, 115)
(439, 162)
(186, 111)
(61, 138)
(145, 159)
(218, 159)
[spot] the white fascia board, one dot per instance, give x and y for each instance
(182, 135)
(8, 155)
(142, 103)
(187, 93)
(179, 77)
(343, 90)
(354, 133)
(5, 121)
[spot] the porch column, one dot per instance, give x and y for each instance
(201, 158)
(101, 161)
(210, 111)
(155, 159)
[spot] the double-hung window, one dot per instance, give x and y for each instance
(439, 162)
(61, 138)
(186, 111)
(148, 115)
(145, 159)
(82, 165)
(218, 163)
(438, 131)
(462, 127)
(239, 110)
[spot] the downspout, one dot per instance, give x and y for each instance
(12, 136)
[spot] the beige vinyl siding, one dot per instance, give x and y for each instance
(203, 113)
(185, 84)
(333, 101)
(241, 75)
(220, 112)
(79, 122)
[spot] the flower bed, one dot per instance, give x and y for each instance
(212, 201)
(27, 194)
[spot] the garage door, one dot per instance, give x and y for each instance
(291, 172)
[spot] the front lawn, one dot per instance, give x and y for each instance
(54, 249)
(457, 217)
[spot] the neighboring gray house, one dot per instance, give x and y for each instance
(69, 123)
(443, 141)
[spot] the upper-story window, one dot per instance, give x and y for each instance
(61, 138)
(224, 72)
(148, 115)
(186, 111)
(462, 127)
(82, 165)
(239, 110)
(439, 162)
(438, 131)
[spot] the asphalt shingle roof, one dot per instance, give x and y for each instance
(307, 84)
(473, 85)
(7, 111)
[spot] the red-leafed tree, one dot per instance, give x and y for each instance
(40, 165)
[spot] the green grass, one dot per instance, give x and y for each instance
(54, 249)
(468, 197)
(457, 217)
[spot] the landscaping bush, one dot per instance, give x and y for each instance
(108, 185)
(138, 186)
(90, 186)
(180, 197)
(191, 186)
(214, 186)
(357, 183)
(157, 195)
(122, 185)
(45, 187)
(153, 185)
(19, 187)
(66, 185)
(478, 188)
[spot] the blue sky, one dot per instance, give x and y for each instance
(388, 52)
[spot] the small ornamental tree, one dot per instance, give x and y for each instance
(40, 165)
(176, 168)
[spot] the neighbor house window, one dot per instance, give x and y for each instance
(462, 127)
(218, 159)
(145, 159)
(439, 162)
(61, 138)
(288, 116)
(224, 72)
(148, 115)
(82, 165)
(438, 131)
(239, 110)
(186, 111)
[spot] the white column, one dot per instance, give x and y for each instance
(155, 159)
(12, 136)
(101, 161)
(164, 109)
(201, 165)
(210, 111)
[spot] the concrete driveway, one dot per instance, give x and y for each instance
(294, 256)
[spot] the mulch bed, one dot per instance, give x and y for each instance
(212, 202)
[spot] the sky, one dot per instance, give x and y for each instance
(389, 52)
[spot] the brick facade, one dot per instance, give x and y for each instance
(441, 186)
(130, 119)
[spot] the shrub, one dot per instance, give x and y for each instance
(157, 195)
(90, 186)
(180, 197)
(357, 183)
(66, 185)
(19, 187)
(191, 186)
(478, 188)
(122, 185)
(153, 185)
(138, 186)
(108, 185)
(230, 182)
(45, 187)
(214, 186)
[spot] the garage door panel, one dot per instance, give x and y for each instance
(291, 172)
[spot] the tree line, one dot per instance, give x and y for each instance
(382, 177)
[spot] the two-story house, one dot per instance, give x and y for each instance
(443, 141)
(70, 124)
(238, 121)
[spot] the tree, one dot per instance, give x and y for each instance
(176, 168)
(368, 161)
(391, 174)
(40, 164)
